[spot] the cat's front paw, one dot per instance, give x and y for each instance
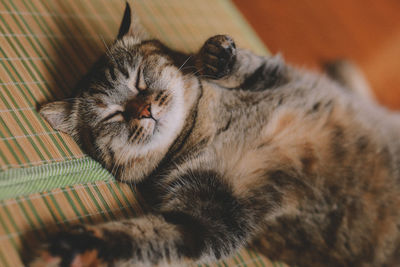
(77, 246)
(217, 57)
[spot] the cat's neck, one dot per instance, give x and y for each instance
(200, 127)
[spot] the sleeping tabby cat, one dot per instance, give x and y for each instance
(228, 147)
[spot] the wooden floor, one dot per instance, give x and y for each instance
(310, 32)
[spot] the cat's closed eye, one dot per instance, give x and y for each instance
(114, 114)
(117, 115)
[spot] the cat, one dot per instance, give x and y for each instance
(229, 147)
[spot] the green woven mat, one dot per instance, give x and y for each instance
(47, 45)
(23, 181)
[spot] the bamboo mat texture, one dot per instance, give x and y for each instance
(46, 180)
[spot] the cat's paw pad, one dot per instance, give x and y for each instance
(78, 246)
(217, 57)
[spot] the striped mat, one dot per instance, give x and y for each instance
(46, 181)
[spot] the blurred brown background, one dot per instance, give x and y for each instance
(310, 32)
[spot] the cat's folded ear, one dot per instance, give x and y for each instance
(58, 114)
(131, 26)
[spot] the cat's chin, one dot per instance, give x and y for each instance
(137, 161)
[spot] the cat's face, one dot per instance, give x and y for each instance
(141, 104)
(133, 104)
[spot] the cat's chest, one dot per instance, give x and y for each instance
(238, 116)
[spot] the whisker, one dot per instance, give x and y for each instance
(184, 62)
(188, 67)
(108, 49)
(118, 161)
(130, 182)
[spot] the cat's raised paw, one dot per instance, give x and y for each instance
(217, 57)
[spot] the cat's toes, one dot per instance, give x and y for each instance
(78, 246)
(217, 57)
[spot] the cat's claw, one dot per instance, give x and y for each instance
(217, 57)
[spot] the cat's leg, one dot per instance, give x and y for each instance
(219, 60)
(200, 219)
(349, 76)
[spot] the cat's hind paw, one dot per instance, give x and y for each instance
(78, 246)
(217, 57)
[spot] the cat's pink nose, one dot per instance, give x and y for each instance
(145, 112)
(137, 108)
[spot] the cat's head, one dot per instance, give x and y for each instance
(131, 107)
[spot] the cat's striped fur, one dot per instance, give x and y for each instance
(230, 147)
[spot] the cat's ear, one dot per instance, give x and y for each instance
(58, 114)
(131, 26)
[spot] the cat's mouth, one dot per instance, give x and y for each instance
(148, 114)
